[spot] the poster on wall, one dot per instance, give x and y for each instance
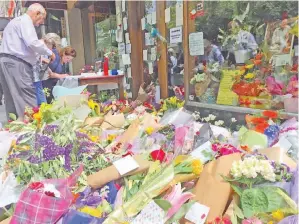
(121, 49)
(196, 44)
(176, 35)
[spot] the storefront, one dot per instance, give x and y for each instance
(219, 56)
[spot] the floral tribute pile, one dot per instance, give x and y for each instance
(181, 157)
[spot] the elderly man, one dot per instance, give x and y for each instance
(18, 53)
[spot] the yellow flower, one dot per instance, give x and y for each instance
(91, 104)
(196, 167)
(164, 107)
(37, 116)
(181, 104)
(149, 130)
(173, 100)
(94, 138)
(270, 222)
(249, 66)
(278, 215)
(249, 76)
(111, 137)
(91, 211)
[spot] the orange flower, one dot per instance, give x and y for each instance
(245, 148)
(259, 56)
(261, 127)
(257, 62)
(258, 120)
(270, 114)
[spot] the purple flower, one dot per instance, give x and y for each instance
(81, 135)
(50, 129)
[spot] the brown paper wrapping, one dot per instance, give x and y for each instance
(150, 121)
(6, 221)
(110, 173)
(278, 155)
(93, 121)
(113, 121)
(211, 190)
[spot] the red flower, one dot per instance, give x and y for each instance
(50, 194)
(258, 120)
(270, 114)
(217, 220)
(158, 155)
(36, 185)
(197, 133)
(226, 220)
(35, 110)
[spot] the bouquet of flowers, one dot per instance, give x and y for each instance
(53, 196)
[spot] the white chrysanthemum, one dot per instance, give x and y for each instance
(212, 117)
(234, 120)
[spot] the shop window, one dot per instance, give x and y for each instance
(175, 53)
(243, 55)
(150, 45)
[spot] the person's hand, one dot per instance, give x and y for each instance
(45, 60)
(52, 58)
(63, 76)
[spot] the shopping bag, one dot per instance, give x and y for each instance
(36, 207)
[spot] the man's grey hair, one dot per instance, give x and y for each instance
(36, 7)
(54, 39)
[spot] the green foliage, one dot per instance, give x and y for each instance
(219, 13)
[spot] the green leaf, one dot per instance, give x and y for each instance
(164, 204)
(12, 116)
(238, 211)
(254, 201)
(234, 219)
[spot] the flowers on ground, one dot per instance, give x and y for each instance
(158, 155)
(149, 130)
(251, 167)
(187, 165)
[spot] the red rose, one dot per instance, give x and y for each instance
(158, 155)
(50, 194)
(36, 185)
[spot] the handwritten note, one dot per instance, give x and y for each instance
(123, 5)
(167, 15)
(149, 19)
(126, 59)
(129, 72)
(148, 39)
(153, 54)
(128, 48)
(179, 14)
(154, 18)
(125, 165)
(127, 37)
(144, 55)
(196, 45)
(143, 24)
(198, 213)
(125, 23)
(121, 49)
(150, 68)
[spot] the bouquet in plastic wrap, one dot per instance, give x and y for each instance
(46, 201)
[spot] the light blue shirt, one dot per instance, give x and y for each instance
(20, 39)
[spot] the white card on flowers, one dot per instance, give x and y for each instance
(151, 214)
(198, 213)
(125, 165)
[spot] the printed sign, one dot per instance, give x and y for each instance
(176, 35)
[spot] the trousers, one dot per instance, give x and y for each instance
(16, 77)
